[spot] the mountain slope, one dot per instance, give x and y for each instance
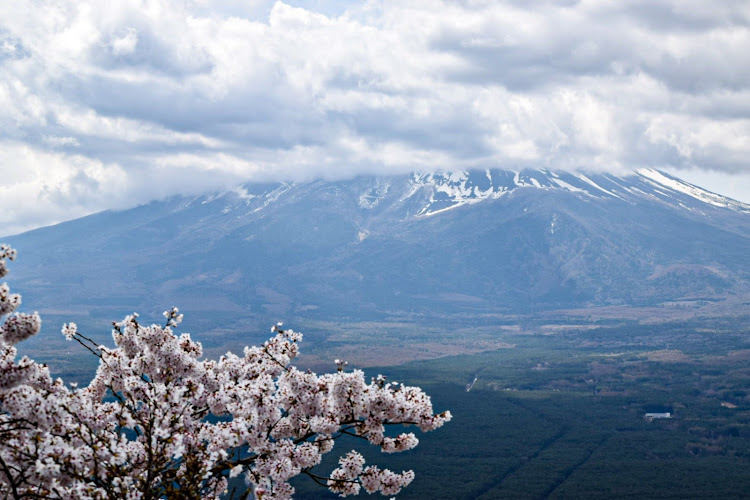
(483, 242)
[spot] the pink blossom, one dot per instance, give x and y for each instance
(141, 428)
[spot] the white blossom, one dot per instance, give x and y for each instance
(20, 326)
(141, 427)
(69, 330)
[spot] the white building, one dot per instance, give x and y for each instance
(651, 416)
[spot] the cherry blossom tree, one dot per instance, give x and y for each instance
(158, 421)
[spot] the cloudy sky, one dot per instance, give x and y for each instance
(112, 104)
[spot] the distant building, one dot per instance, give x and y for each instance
(651, 416)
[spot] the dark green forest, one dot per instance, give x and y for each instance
(562, 416)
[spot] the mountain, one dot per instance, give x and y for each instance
(464, 244)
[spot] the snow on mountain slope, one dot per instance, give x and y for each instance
(660, 179)
(527, 241)
(428, 194)
(448, 190)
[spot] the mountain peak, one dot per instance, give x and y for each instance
(488, 241)
(448, 190)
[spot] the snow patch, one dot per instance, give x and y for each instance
(594, 184)
(371, 198)
(452, 189)
(274, 195)
(567, 186)
(656, 178)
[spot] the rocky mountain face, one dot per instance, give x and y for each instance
(480, 242)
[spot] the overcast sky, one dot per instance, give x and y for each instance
(111, 104)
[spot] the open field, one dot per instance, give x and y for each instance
(557, 404)
(562, 416)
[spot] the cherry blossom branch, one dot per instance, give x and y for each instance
(159, 420)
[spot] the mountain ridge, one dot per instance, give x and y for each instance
(471, 243)
(454, 189)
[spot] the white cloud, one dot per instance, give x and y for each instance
(41, 187)
(219, 92)
(54, 140)
(125, 43)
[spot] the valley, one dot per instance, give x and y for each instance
(571, 305)
(562, 416)
(554, 411)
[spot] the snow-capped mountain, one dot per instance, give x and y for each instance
(427, 194)
(484, 242)
(453, 190)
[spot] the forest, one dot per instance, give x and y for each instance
(562, 416)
